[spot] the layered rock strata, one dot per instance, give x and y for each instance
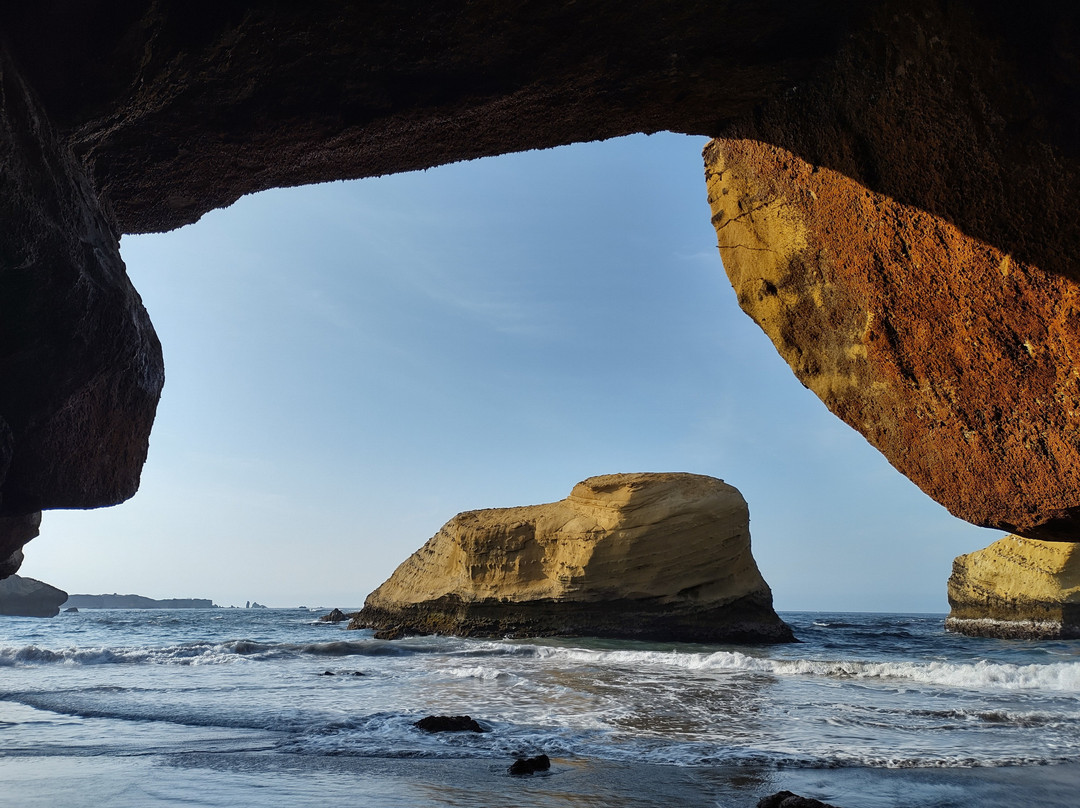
(1017, 588)
(28, 597)
(644, 556)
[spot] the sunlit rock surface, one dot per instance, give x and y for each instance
(1017, 588)
(954, 359)
(647, 556)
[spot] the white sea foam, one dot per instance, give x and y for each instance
(1056, 676)
(477, 672)
(196, 653)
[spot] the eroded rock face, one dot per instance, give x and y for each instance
(80, 365)
(28, 597)
(1017, 588)
(16, 531)
(650, 556)
(955, 360)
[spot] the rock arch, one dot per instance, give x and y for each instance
(894, 187)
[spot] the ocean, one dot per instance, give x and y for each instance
(269, 707)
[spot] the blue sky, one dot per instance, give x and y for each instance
(348, 365)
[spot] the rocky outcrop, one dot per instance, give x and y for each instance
(28, 597)
(1017, 588)
(899, 322)
(646, 556)
(944, 137)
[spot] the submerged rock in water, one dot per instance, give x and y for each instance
(27, 597)
(788, 799)
(448, 723)
(1017, 588)
(335, 616)
(638, 556)
(540, 763)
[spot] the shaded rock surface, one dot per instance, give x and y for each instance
(650, 556)
(28, 597)
(16, 531)
(1017, 588)
(80, 364)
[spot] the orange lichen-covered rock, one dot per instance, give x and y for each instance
(954, 360)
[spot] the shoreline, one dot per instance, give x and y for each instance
(271, 778)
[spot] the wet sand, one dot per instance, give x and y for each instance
(271, 779)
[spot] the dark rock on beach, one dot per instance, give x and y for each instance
(448, 723)
(786, 799)
(522, 766)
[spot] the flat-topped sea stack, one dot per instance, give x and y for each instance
(1017, 588)
(636, 556)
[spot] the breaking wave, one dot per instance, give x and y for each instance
(1056, 676)
(196, 653)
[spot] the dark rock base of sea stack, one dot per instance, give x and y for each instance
(747, 620)
(1051, 627)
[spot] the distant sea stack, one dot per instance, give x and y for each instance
(635, 556)
(28, 597)
(136, 602)
(1017, 588)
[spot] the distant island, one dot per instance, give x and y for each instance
(135, 602)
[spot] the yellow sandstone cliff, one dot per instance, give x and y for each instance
(651, 556)
(1017, 588)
